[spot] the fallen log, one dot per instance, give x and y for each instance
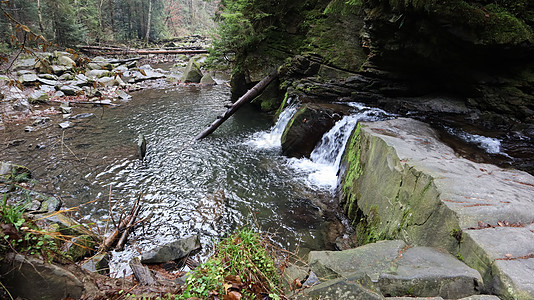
(123, 51)
(142, 273)
(119, 235)
(247, 97)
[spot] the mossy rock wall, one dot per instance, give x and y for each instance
(389, 199)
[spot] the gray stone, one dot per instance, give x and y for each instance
(67, 226)
(351, 288)
(70, 90)
(426, 272)
(31, 278)
(58, 70)
(28, 79)
(66, 61)
(65, 108)
(192, 73)
(408, 184)
(65, 124)
(311, 280)
(8, 169)
(207, 80)
(371, 260)
(99, 74)
(294, 272)
(38, 96)
(48, 81)
(59, 94)
(79, 247)
(97, 264)
(24, 64)
(172, 251)
(481, 297)
(66, 76)
(48, 76)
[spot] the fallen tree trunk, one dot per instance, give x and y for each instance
(247, 97)
(119, 235)
(122, 51)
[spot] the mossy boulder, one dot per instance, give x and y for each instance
(306, 129)
(270, 98)
(192, 73)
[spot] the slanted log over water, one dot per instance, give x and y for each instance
(400, 181)
(247, 97)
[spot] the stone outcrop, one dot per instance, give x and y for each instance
(400, 182)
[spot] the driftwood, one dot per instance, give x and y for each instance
(119, 235)
(123, 51)
(247, 97)
(142, 273)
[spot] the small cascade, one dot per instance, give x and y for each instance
(488, 144)
(323, 165)
(272, 137)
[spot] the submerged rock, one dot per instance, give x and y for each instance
(207, 80)
(172, 251)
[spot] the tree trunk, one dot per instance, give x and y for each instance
(247, 97)
(148, 21)
(40, 16)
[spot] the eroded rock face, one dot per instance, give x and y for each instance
(400, 181)
(306, 129)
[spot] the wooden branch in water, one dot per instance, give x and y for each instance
(119, 235)
(247, 97)
(142, 273)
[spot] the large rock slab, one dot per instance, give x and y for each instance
(31, 278)
(400, 181)
(351, 288)
(172, 251)
(192, 73)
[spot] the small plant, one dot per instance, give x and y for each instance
(241, 266)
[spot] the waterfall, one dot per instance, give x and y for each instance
(322, 167)
(272, 137)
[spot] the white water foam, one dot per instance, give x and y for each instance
(321, 169)
(271, 138)
(488, 144)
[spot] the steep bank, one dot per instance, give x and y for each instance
(401, 182)
(458, 63)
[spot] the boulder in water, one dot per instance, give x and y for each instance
(192, 73)
(207, 80)
(141, 146)
(172, 251)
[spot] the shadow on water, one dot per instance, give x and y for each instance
(207, 187)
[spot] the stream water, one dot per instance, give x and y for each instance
(205, 187)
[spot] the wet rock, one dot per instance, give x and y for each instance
(59, 94)
(306, 129)
(49, 204)
(42, 280)
(411, 185)
(29, 128)
(38, 96)
(192, 73)
(207, 80)
(48, 76)
(66, 76)
(81, 116)
(28, 79)
(9, 170)
(172, 251)
(426, 272)
(97, 264)
(67, 226)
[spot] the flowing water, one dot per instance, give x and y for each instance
(205, 187)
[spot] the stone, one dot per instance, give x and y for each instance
(370, 260)
(192, 73)
(9, 169)
(67, 226)
(66, 76)
(350, 288)
(306, 128)
(65, 108)
(400, 181)
(70, 90)
(97, 264)
(172, 251)
(58, 70)
(99, 74)
(66, 61)
(427, 272)
(65, 124)
(48, 81)
(42, 280)
(24, 64)
(79, 247)
(207, 80)
(38, 96)
(270, 98)
(28, 79)
(48, 76)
